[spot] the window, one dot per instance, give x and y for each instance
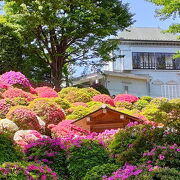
(147, 60)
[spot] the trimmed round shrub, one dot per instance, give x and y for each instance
(140, 104)
(64, 92)
(90, 91)
(158, 173)
(146, 98)
(97, 172)
(15, 92)
(24, 118)
(125, 97)
(46, 92)
(19, 101)
(63, 103)
(5, 105)
(26, 171)
(50, 152)
(80, 104)
(124, 104)
(82, 159)
(47, 110)
(158, 101)
(8, 126)
(15, 78)
(8, 151)
(3, 85)
(104, 99)
(100, 88)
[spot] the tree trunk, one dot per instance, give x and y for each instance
(56, 72)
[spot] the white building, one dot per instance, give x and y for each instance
(147, 68)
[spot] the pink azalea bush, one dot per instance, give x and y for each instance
(3, 85)
(125, 97)
(15, 78)
(15, 92)
(80, 104)
(5, 106)
(24, 118)
(104, 99)
(46, 92)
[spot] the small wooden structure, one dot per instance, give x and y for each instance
(104, 118)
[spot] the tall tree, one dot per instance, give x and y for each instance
(168, 9)
(68, 31)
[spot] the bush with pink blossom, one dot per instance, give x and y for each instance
(15, 92)
(3, 85)
(125, 97)
(15, 78)
(5, 105)
(46, 92)
(24, 117)
(47, 110)
(104, 99)
(80, 104)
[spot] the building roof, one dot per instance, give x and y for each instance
(146, 34)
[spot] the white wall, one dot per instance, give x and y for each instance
(136, 87)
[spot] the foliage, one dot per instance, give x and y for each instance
(63, 103)
(5, 106)
(7, 126)
(23, 170)
(99, 87)
(83, 158)
(80, 104)
(19, 101)
(104, 99)
(140, 104)
(146, 98)
(9, 152)
(97, 172)
(46, 92)
(65, 32)
(49, 151)
(125, 97)
(16, 92)
(47, 110)
(130, 143)
(124, 104)
(24, 118)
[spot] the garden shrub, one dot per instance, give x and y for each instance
(82, 159)
(158, 101)
(8, 126)
(15, 78)
(15, 92)
(130, 143)
(100, 88)
(79, 104)
(140, 104)
(8, 151)
(46, 92)
(159, 174)
(5, 105)
(146, 98)
(97, 172)
(104, 99)
(49, 151)
(90, 91)
(3, 85)
(125, 97)
(124, 104)
(19, 101)
(64, 92)
(26, 171)
(47, 110)
(63, 103)
(24, 117)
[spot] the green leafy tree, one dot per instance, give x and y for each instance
(62, 32)
(168, 9)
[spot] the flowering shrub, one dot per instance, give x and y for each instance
(63, 103)
(46, 92)
(125, 97)
(124, 104)
(24, 137)
(80, 104)
(82, 158)
(5, 105)
(26, 171)
(146, 98)
(102, 170)
(9, 152)
(47, 110)
(3, 85)
(66, 129)
(163, 156)
(24, 118)
(8, 126)
(104, 99)
(49, 151)
(15, 92)
(140, 104)
(15, 78)
(19, 101)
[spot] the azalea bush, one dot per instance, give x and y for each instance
(5, 105)
(47, 110)
(24, 117)
(125, 97)
(49, 151)
(46, 92)
(104, 99)
(26, 171)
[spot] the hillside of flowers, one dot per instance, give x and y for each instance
(39, 142)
